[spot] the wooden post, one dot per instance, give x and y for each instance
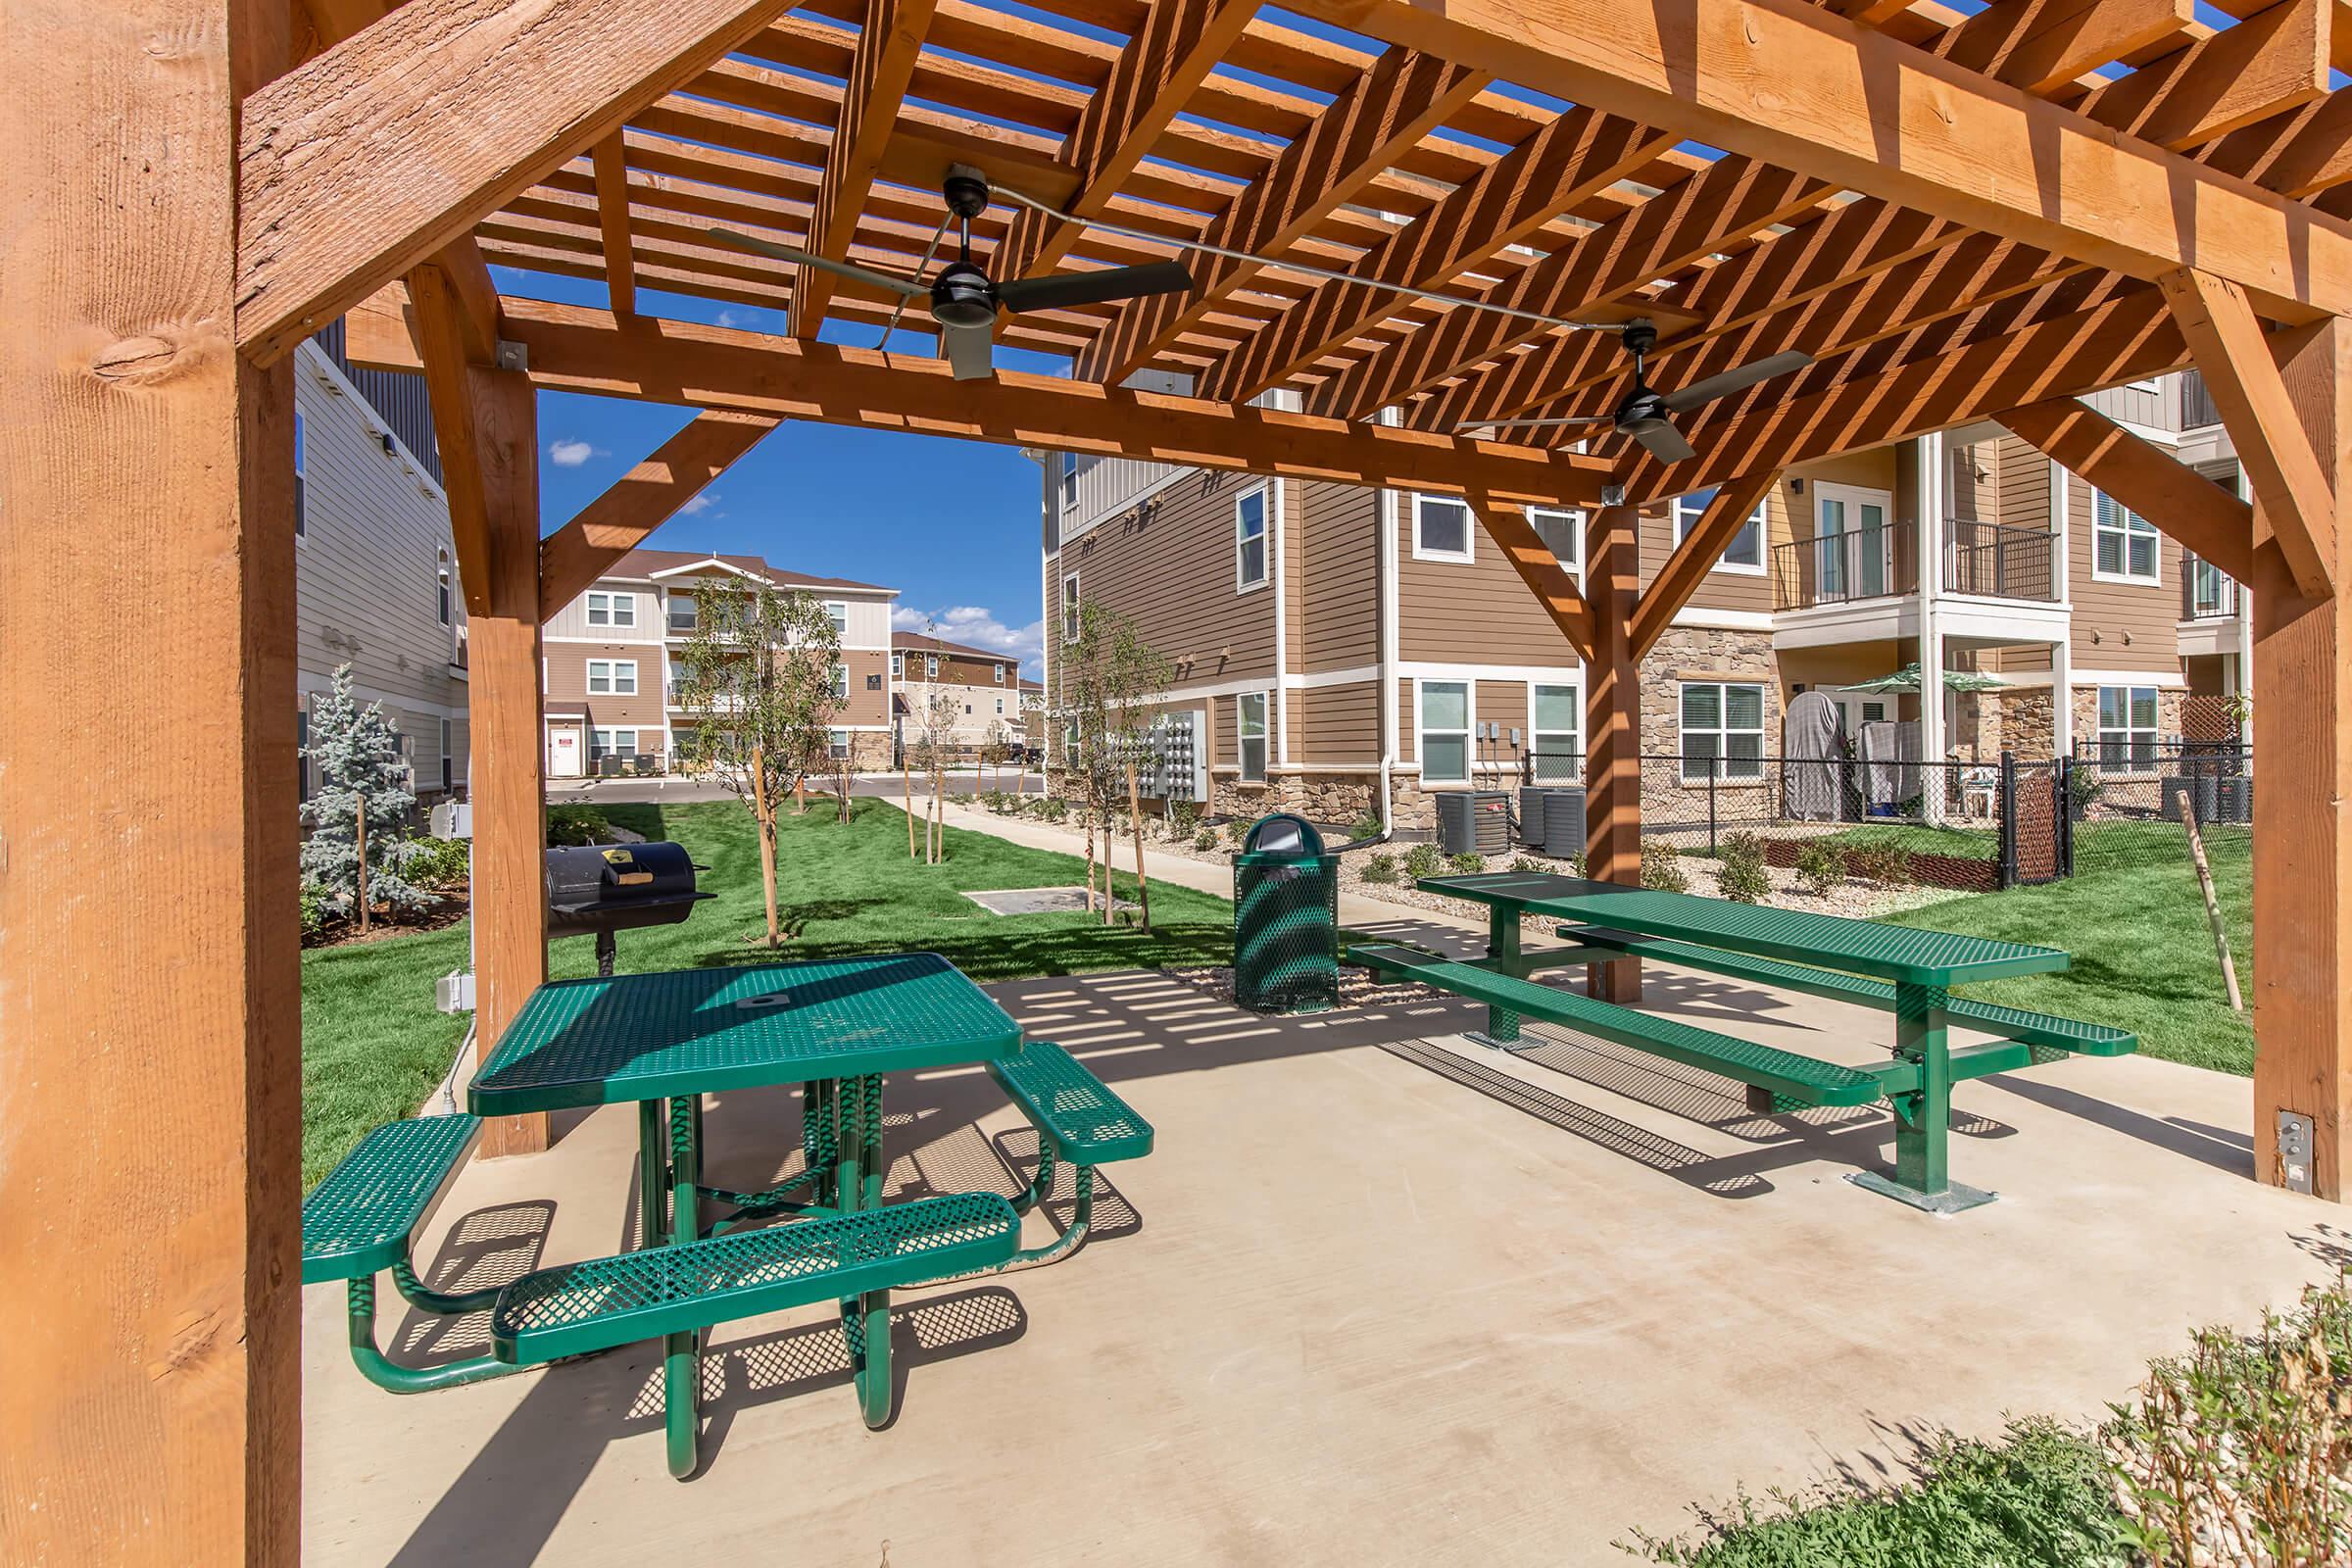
(906, 785)
(1613, 729)
(150, 983)
(2302, 843)
(1135, 815)
(510, 739)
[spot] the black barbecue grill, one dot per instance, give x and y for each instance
(598, 889)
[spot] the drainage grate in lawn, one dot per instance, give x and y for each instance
(1036, 900)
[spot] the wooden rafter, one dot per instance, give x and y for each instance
(640, 501)
(1179, 44)
(2298, 155)
(2294, 501)
(2042, 44)
(887, 47)
(1671, 589)
(362, 161)
(1391, 105)
(2205, 517)
(1538, 567)
(613, 213)
(2268, 65)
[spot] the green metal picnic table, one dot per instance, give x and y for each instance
(663, 1041)
(1921, 965)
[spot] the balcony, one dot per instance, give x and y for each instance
(2197, 408)
(1990, 561)
(1835, 568)
(2207, 592)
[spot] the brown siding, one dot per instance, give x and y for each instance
(960, 670)
(2134, 624)
(567, 684)
(1336, 725)
(1339, 590)
(1718, 590)
(2024, 477)
(1475, 611)
(1173, 573)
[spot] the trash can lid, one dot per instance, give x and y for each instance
(1283, 835)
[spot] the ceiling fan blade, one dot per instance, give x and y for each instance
(1530, 424)
(889, 282)
(1066, 289)
(1730, 381)
(969, 351)
(1662, 440)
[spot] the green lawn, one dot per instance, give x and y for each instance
(373, 1046)
(2142, 951)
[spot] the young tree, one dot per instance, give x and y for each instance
(1107, 673)
(934, 751)
(359, 807)
(761, 681)
(994, 748)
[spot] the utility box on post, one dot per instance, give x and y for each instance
(1286, 919)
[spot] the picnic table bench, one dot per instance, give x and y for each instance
(662, 1041)
(1900, 969)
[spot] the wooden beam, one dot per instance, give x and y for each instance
(150, 1169)
(1613, 728)
(1798, 86)
(2297, 155)
(1530, 556)
(2114, 341)
(1391, 107)
(888, 42)
(2205, 517)
(2294, 498)
(640, 501)
(2302, 835)
(2040, 45)
(509, 734)
(1687, 567)
(1553, 171)
(575, 349)
(448, 382)
(364, 161)
(1723, 202)
(1178, 45)
(613, 212)
(2267, 65)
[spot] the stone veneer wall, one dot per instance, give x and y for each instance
(1696, 652)
(2087, 715)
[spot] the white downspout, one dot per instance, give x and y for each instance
(1385, 514)
(1934, 742)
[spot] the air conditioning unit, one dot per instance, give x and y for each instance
(1474, 822)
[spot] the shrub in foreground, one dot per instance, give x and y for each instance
(1662, 868)
(1740, 875)
(1424, 860)
(1381, 868)
(1821, 868)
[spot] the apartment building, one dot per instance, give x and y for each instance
(375, 580)
(1347, 647)
(978, 691)
(610, 671)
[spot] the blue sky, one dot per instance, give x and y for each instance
(951, 524)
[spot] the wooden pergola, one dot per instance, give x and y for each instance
(1958, 216)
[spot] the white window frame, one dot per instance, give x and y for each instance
(1242, 736)
(606, 745)
(1000, 708)
(1575, 733)
(1686, 518)
(930, 666)
(837, 742)
(1722, 731)
(2154, 577)
(1069, 481)
(1468, 732)
(1469, 550)
(449, 769)
(1243, 583)
(619, 609)
(1573, 564)
(612, 668)
(1000, 672)
(670, 615)
(1070, 601)
(841, 681)
(838, 611)
(898, 666)
(442, 584)
(2129, 732)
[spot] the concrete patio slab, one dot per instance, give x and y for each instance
(1379, 1295)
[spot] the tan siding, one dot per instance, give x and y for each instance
(1338, 598)
(567, 684)
(2134, 624)
(1718, 590)
(1475, 611)
(2025, 485)
(1337, 725)
(1173, 573)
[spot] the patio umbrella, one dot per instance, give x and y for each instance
(1906, 679)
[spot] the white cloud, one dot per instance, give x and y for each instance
(572, 454)
(701, 502)
(976, 627)
(729, 318)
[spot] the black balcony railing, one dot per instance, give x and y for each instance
(1834, 568)
(1991, 561)
(2207, 592)
(2197, 406)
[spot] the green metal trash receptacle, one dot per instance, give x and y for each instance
(1285, 918)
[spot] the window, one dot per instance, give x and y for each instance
(2123, 542)
(611, 609)
(1249, 731)
(2127, 728)
(300, 508)
(841, 683)
(999, 674)
(1555, 722)
(449, 764)
(1070, 480)
(441, 583)
(968, 709)
(1070, 607)
(1445, 731)
(1249, 540)
(1563, 534)
(682, 616)
(930, 666)
(1745, 552)
(1722, 721)
(898, 667)
(837, 742)
(612, 677)
(613, 742)
(1441, 528)
(838, 612)
(1069, 744)
(1000, 707)
(873, 682)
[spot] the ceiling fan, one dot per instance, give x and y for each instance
(1647, 414)
(964, 299)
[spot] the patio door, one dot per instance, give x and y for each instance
(1853, 545)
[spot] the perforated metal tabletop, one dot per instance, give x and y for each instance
(581, 1043)
(1858, 947)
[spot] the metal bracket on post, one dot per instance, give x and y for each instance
(2294, 1151)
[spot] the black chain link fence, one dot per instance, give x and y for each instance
(2128, 802)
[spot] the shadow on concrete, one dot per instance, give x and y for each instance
(2211, 1146)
